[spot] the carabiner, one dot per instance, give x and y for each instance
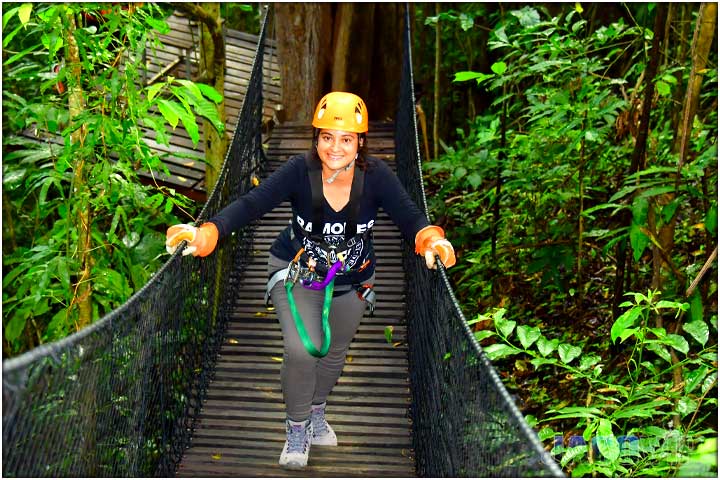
(316, 285)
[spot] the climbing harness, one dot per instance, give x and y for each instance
(308, 278)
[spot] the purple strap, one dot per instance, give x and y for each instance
(315, 285)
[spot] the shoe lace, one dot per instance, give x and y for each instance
(318, 421)
(297, 438)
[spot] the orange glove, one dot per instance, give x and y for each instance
(431, 241)
(201, 240)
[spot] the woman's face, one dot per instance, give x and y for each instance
(337, 148)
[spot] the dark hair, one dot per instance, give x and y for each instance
(362, 150)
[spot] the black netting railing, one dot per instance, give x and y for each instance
(464, 422)
(119, 398)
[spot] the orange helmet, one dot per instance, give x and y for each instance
(341, 111)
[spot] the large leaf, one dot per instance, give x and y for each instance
(11, 12)
(474, 179)
(693, 378)
(711, 221)
(505, 326)
(171, 111)
(545, 346)
(466, 76)
(16, 325)
(646, 410)
(152, 90)
(203, 108)
(660, 350)
(159, 25)
(528, 16)
(607, 443)
(568, 352)
(527, 335)
(24, 13)
(192, 128)
(190, 87)
(638, 240)
(499, 350)
(574, 412)
(483, 334)
(677, 342)
(624, 322)
(699, 330)
(686, 406)
(210, 92)
(498, 68)
(587, 361)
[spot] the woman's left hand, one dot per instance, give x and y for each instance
(431, 241)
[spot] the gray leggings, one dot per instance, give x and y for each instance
(307, 380)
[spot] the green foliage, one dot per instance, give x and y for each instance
(540, 192)
(546, 171)
(84, 166)
(242, 16)
(463, 32)
(604, 404)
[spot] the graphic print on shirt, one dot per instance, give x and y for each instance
(334, 235)
(352, 254)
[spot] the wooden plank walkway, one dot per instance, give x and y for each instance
(241, 432)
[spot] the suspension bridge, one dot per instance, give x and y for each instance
(183, 379)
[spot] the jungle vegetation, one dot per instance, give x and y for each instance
(574, 160)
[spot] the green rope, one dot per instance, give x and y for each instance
(300, 326)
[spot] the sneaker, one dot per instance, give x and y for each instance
(297, 446)
(323, 433)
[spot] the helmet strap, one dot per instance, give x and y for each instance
(340, 170)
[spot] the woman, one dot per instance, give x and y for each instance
(325, 255)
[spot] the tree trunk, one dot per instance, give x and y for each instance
(80, 200)
(212, 72)
(702, 42)
(361, 70)
(343, 24)
(304, 51)
(581, 220)
(638, 157)
(213, 55)
(436, 102)
(682, 14)
(83, 215)
(383, 77)
(361, 55)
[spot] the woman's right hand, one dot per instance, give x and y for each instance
(201, 240)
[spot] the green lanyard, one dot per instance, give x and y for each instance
(300, 326)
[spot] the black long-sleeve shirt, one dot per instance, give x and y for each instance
(291, 182)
